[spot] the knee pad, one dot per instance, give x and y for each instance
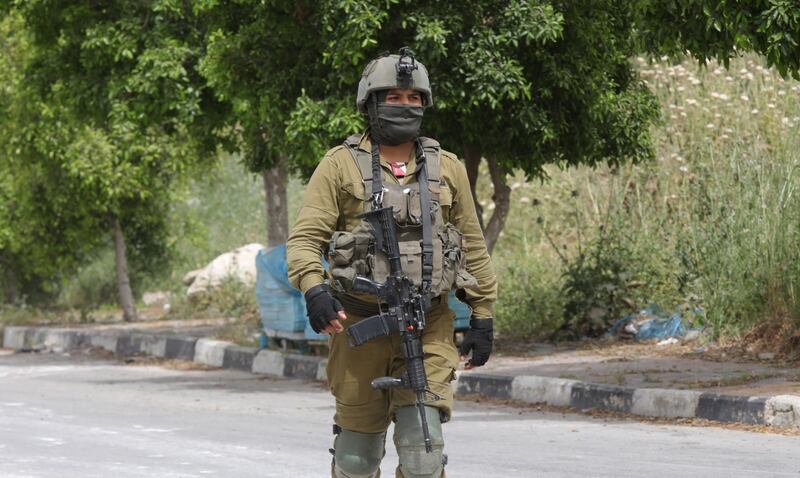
(358, 455)
(415, 462)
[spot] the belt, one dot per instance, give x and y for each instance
(363, 308)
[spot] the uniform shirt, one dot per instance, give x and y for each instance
(335, 195)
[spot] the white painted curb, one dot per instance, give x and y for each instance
(552, 391)
(268, 362)
(657, 402)
(783, 411)
(210, 352)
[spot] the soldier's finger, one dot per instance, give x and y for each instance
(336, 325)
(342, 315)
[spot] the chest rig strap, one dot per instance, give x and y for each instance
(425, 203)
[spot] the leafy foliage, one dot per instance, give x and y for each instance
(108, 112)
(528, 82)
(721, 30)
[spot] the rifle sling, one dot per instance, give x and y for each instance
(427, 234)
(377, 177)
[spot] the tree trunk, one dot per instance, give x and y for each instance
(502, 202)
(123, 280)
(10, 281)
(275, 180)
(472, 158)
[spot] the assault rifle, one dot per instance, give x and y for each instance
(405, 314)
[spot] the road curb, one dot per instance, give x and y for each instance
(778, 411)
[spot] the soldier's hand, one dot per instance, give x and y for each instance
(325, 313)
(477, 340)
(335, 326)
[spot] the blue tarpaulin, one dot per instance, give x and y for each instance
(283, 308)
(654, 323)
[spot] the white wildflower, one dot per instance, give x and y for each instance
(525, 200)
(771, 105)
(728, 78)
(710, 126)
(744, 98)
(754, 111)
(685, 169)
(691, 102)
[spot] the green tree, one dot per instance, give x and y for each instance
(721, 30)
(520, 83)
(42, 233)
(125, 115)
(261, 58)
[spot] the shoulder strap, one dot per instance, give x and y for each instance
(432, 151)
(364, 162)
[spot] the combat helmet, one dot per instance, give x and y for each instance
(401, 70)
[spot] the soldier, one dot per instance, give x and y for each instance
(393, 93)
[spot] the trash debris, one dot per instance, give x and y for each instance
(692, 335)
(654, 323)
(669, 341)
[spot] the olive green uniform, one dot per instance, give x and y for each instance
(334, 197)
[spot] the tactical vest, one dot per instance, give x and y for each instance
(352, 253)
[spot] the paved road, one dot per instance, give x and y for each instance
(86, 417)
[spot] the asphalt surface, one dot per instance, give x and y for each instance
(88, 417)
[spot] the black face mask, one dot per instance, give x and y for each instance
(392, 124)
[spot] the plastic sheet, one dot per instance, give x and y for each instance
(654, 323)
